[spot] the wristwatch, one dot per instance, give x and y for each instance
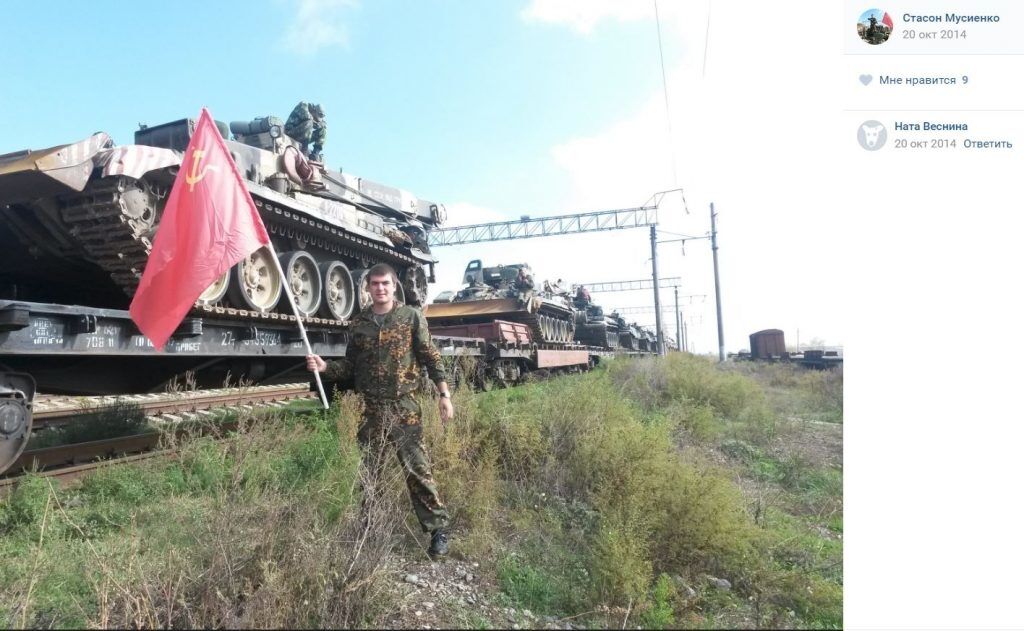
(446, 395)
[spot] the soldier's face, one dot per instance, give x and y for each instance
(382, 289)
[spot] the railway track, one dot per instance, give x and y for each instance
(169, 410)
(56, 410)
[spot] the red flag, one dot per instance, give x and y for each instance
(209, 224)
(887, 20)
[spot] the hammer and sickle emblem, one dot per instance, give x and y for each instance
(195, 175)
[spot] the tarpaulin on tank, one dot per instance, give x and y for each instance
(135, 160)
(474, 308)
(57, 170)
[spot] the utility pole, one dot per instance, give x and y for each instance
(679, 324)
(718, 291)
(657, 293)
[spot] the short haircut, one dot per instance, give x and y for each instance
(380, 269)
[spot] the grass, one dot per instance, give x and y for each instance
(122, 418)
(607, 497)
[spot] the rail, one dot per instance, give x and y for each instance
(73, 459)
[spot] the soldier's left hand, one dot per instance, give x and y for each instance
(446, 408)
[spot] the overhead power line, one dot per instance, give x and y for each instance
(649, 308)
(664, 90)
(631, 285)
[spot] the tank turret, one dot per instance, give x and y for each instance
(505, 292)
(77, 223)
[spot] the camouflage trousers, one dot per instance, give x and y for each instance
(395, 424)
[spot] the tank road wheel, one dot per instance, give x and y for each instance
(363, 292)
(255, 283)
(481, 376)
(505, 373)
(138, 206)
(303, 279)
(339, 291)
(498, 376)
(216, 291)
(363, 299)
(16, 393)
(415, 285)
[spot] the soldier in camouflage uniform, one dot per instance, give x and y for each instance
(308, 125)
(388, 344)
(523, 284)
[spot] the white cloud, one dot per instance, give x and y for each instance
(736, 141)
(317, 24)
(467, 214)
(583, 15)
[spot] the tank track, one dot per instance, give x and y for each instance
(100, 219)
(533, 321)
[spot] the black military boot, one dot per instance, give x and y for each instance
(438, 543)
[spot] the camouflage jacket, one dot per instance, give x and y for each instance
(300, 115)
(385, 360)
(303, 126)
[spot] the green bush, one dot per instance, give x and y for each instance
(654, 382)
(122, 418)
(124, 485)
(529, 586)
(620, 563)
(703, 522)
(656, 511)
(660, 613)
(587, 489)
(26, 505)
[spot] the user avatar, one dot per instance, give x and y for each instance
(871, 135)
(874, 26)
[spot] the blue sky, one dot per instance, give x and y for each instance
(448, 99)
(496, 109)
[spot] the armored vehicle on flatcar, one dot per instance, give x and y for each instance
(77, 223)
(594, 328)
(505, 292)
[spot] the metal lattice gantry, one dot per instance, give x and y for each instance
(632, 285)
(526, 227)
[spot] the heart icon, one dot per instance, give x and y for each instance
(866, 79)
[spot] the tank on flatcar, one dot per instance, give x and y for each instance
(505, 292)
(594, 328)
(77, 223)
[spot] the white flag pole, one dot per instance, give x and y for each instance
(298, 319)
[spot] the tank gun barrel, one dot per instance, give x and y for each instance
(327, 176)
